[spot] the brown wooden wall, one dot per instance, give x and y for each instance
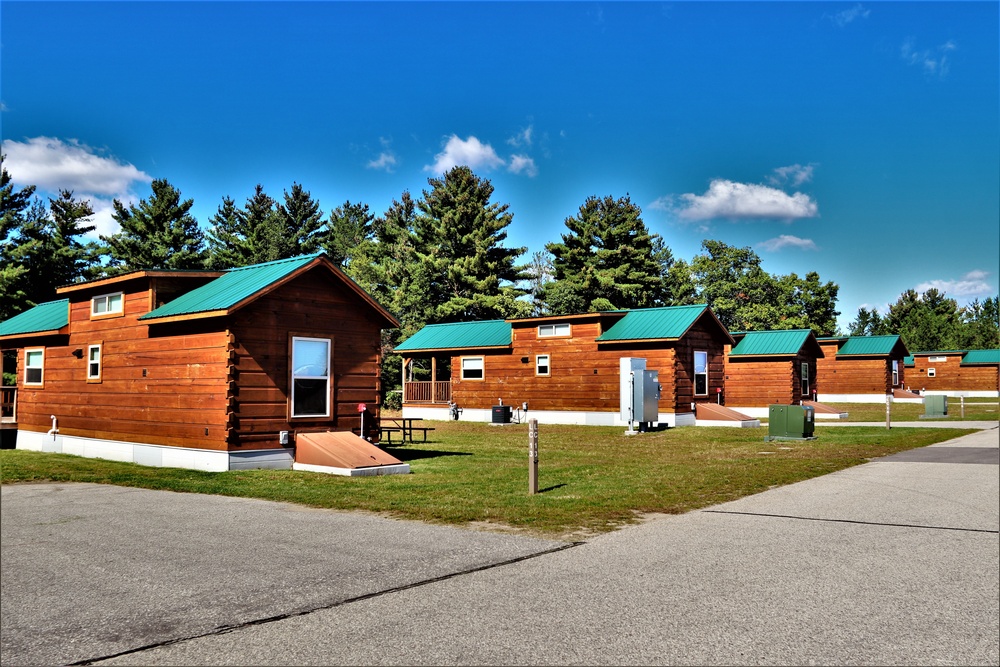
(180, 401)
(950, 375)
(584, 375)
(314, 304)
(759, 382)
(853, 375)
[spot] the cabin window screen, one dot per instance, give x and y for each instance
(701, 373)
(930, 373)
(472, 368)
(895, 373)
(93, 363)
(550, 330)
(107, 304)
(310, 377)
(34, 366)
(805, 381)
(541, 364)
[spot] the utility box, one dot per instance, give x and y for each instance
(501, 414)
(935, 406)
(791, 422)
(628, 369)
(647, 396)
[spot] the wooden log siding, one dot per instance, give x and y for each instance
(853, 375)
(950, 375)
(757, 382)
(311, 305)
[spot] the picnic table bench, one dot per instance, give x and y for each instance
(404, 427)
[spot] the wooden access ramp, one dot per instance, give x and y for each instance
(343, 453)
(711, 414)
(823, 411)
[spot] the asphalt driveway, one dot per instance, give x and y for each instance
(892, 562)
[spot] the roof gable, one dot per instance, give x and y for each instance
(239, 286)
(990, 357)
(777, 343)
(459, 335)
(45, 318)
(667, 323)
(873, 346)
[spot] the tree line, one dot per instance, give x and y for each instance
(440, 258)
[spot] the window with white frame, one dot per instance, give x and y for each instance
(34, 366)
(93, 363)
(541, 364)
(805, 381)
(701, 373)
(107, 304)
(472, 368)
(931, 373)
(550, 330)
(310, 395)
(895, 372)
(937, 359)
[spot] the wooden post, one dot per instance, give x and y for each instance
(532, 456)
(888, 405)
(962, 403)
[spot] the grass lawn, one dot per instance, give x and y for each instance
(976, 409)
(591, 479)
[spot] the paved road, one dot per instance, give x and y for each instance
(892, 562)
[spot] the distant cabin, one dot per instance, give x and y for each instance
(956, 372)
(566, 369)
(197, 369)
(771, 367)
(860, 369)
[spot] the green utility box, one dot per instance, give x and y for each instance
(935, 406)
(791, 422)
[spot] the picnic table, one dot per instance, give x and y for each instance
(404, 427)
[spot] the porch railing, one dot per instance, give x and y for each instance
(427, 392)
(8, 404)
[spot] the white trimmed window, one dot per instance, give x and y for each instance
(93, 363)
(930, 373)
(895, 373)
(701, 373)
(107, 304)
(550, 330)
(805, 381)
(34, 366)
(541, 364)
(938, 360)
(310, 395)
(472, 368)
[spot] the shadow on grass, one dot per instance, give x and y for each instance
(407, 454)
(551, 488)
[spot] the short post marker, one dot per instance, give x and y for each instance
(888, 405)
(532, 456)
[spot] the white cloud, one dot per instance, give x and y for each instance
(522, 138)
(972, 284)
(788, 241)
(522, 164)
(797, 174)
(846, 16)
(470, 152)
(53, 165)
(728, 199)
(385, 161)
(934, 62)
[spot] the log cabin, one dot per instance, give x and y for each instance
(563, 369)
(198, 369)
(771, 367)
(955, 373)
(861, 369)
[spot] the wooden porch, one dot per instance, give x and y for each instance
(8, 407)
(427, 392)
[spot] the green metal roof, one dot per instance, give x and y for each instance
(981, 357)
(760, 343)
(654, 323)
(908, 361)
(860, 346)
(230, 288)
(49, 316)
(456, 335)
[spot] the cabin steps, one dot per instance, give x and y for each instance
(711, 414)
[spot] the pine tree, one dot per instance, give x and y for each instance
(300, 220)
(459, 234)
(349, 226)
(251, 235)
(608, 260)
(157, 233)
(14, 207)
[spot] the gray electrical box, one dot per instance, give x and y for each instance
(647, 396)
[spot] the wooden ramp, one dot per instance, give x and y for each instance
(903, 393)
(710, 414)
(343, 453)
(823, 411)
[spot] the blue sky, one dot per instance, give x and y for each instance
(859, 140)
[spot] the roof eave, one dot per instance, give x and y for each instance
(61, 331)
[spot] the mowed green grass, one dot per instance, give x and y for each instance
(591, 479)
(975, 409)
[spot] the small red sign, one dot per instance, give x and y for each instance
(718, 390)
(362, 407)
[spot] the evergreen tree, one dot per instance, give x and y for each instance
(251, 235)
(608, 260)
(350, 226)
(14, 207)
(867, 323)
(925, 322)
(158, 233)
(300, 220)
(458, 240)
(981, 325)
